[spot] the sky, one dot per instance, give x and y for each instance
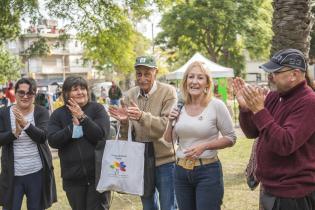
(145, 27)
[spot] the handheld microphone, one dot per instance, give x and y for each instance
(180, 105)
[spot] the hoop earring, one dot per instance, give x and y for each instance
(205, 91)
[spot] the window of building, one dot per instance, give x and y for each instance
(59, 63)
(12, 45)
(258, 77)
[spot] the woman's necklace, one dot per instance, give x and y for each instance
(194, 111)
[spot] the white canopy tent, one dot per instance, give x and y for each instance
(217, 71)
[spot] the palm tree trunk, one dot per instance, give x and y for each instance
(292, 23)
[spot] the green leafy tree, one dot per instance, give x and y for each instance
(9, 66)
(11, 13)
(221, 30)
(37, 49)
(112, 45)
(106, 28)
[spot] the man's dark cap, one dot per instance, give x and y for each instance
(147, 61)
(286, 58)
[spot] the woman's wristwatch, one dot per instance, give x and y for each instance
(82, 118)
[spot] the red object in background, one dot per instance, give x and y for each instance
(9, 93)
(53, 30)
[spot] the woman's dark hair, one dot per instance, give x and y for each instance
(30, 81)
(73, 81)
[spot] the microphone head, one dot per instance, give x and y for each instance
(180, 104)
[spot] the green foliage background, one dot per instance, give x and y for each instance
(221, 30)
(9, 66)
(11, 14)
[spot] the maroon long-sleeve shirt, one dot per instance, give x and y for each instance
(286, 146)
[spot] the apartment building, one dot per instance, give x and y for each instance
(65, 56)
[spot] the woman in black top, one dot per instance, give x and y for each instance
(75, 129)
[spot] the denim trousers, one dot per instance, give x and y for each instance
(31, 186)
(114, 102)
(200, 188)
(164, 189)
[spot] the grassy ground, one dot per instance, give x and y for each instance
(237, 195)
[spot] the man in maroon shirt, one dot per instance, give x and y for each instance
(284, 121)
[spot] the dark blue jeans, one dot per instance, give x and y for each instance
(31, 186)
(114, 102)
(200, 188)
(164, 191)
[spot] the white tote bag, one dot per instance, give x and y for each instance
(122, 166)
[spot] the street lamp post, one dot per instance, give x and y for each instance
(152, 38)
(64, 68)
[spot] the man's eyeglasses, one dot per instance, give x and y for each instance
(22, 93)
(279, 72)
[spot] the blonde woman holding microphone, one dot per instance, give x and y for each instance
(198, 171)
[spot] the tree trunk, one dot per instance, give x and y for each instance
(292, 23)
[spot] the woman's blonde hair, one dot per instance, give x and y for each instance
(208, 92)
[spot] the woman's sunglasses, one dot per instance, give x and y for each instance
(22, 93)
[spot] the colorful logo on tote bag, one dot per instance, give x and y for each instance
(118, 166)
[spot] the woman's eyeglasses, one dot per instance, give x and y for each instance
(22, 93)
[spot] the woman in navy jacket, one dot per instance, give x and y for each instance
(75, 129)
